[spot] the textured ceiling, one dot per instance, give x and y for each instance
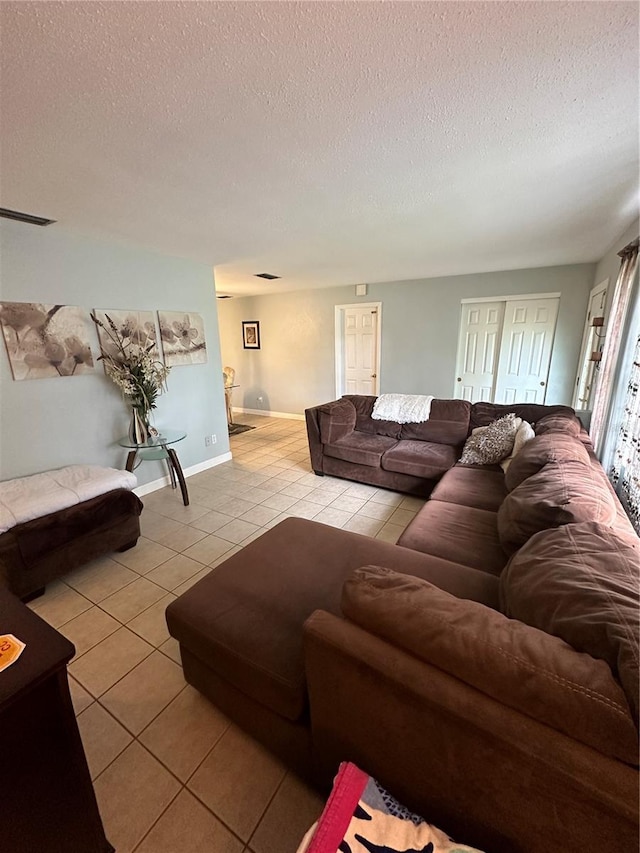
(328, 143)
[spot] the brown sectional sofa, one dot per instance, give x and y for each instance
(492, 690)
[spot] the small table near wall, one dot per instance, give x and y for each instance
(157, 447)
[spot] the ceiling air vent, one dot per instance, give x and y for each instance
(24, 217)
(267, 275)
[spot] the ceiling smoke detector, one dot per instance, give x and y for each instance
(29, 218)
(267, 275)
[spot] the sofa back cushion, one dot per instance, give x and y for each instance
(550, 447)
(482, 414)
(336, 420)
(448, 423)
(580, 583)
(518, 666)
(363, 404)
(560, 493)
(562, 423)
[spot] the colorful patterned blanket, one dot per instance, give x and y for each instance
(361, 817)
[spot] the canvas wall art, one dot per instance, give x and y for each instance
(45, 341)
(182, 337)
(133, 327)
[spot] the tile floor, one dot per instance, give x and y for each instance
(171, 773)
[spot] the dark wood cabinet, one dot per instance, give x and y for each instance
(48, 803)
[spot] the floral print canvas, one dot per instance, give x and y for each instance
(133, 327)
(46, 341)
(182, 337)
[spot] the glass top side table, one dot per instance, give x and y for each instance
(157, 447)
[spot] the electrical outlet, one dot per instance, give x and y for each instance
(213, 439)
(207, 441)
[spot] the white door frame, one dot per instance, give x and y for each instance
(582, 358)
(339, 339)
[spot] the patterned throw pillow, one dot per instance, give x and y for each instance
(491, 444)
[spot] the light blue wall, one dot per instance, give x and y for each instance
(295, 367)
(47, 423)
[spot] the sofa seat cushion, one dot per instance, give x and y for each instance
(481, 487)
(519, 666)
(560, 493)
(361, 448)
(420, 458)
(580, 583)
(244, 619)
(461, 534)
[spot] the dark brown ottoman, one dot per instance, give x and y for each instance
(36, 552)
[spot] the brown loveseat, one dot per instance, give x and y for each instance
(484, 669)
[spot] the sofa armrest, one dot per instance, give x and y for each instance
(455, 755)
(328, 423)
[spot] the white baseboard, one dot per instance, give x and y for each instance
(154, 485)
(267, 414)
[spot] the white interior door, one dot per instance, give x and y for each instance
(592, 341)
(525, 350)
(478, 348)
(357, 351)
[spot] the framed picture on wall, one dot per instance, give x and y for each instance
(251, 334)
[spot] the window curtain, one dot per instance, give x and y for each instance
(625, 470)
(611, 351)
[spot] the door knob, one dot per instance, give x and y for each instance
(542, 383)
(459, 379)
(374, 375)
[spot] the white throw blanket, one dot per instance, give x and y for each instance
(32, 497)
(402, 408)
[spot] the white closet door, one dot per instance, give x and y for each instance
(360, 350)
(478, 348)
(525, 351)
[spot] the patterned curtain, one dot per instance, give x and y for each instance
(625, 470)
(609, 365)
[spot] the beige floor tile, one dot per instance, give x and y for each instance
(236, 507)
(295, 490)
(237, 780)
(198, 577)
(412, 503)
(379, 511)
(390, 533)
(140, 696)
(133, 599)
(175, 509)
(402, 516)
(175, 571)
(60, 605)
(155, 526)
(151, 624)
(182, 735)
(361, 490)
(89, 628)
(255, 535)
(348, 504)
(237, 531)
(145, 556)
(211, 521)
(183, 538)
(279, 501)
(305, 509)
(79, 696)
(260, 515)
(101, 578)
(290, 814)
(365, 526)
(188, 827)
(99, 668)
(103, 737)
(334, 517)
(388, 498)
(171, 648)
(132, 793)
(208, 549)
(322, 496)
(280, 518)
(290, 474)
(258, 494)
